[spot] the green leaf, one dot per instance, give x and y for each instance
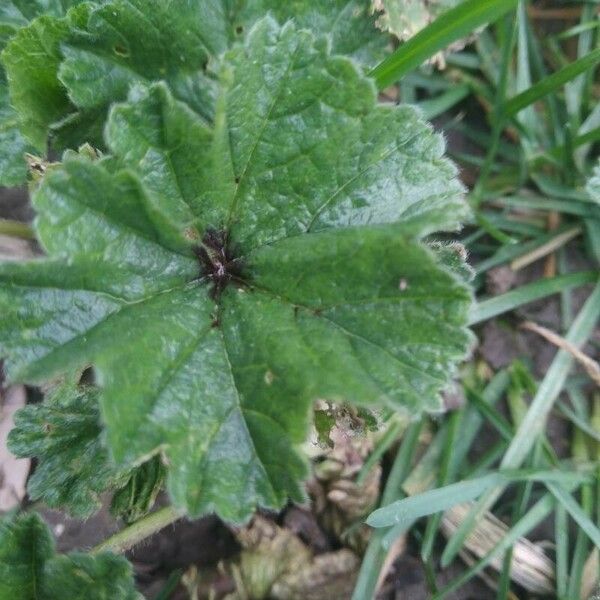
(135, 499)
(125, 43)
(347, 23)
(220, 279)
(25, 545)
(13, 146)
(63, 433)
(31, 60)
(15, 14)
(406, 510)
(30, 569)
(551, 83)
(108, 47)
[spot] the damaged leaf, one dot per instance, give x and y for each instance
(405, 18)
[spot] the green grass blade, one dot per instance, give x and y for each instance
(542, 288)
(376, 553)
(562, 551)
(472, 421)
(581, 549)
(528, 119)
(551, 83)
(533, 423)
(539, 511)
(510, 252)
(491, 414)
(16, 229)
(579, 422)
(440, 499)
(424, 473)
(170, 586)
(552, 384)
(453, 25)
(577, 513)
(445, 477)
(392, 433)
(436, 106)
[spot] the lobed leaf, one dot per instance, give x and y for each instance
(16, 14)
(64, 74)
(221, 278)
(31, 60)
(30, 569)
(64, 434)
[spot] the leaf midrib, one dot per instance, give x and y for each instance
(263, 126)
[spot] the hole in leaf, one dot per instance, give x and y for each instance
(120, 50)
(239, 29)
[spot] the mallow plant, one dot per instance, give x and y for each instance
(235, 229)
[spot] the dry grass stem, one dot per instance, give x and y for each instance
(591, 366)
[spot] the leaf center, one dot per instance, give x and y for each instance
(218, 260)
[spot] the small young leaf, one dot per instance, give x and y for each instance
(63, 433)
(137, 496)
(25, 546)
(30, 569)
(219, 292)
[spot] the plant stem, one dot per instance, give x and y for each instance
(16, 229)
(138, 531)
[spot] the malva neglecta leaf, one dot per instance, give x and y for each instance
(13, 145)
(15, 15)
(30, 569)
(220, 279)
(65, 73)
(64, 434)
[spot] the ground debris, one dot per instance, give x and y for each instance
(275, 563)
